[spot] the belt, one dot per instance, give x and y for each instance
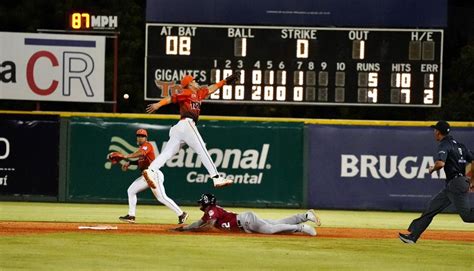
(184, 118)
(456, 176)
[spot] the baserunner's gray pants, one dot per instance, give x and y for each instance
(250, 222)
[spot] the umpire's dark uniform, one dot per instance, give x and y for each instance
(455, 156)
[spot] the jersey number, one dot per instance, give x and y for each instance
(226, 225)
(195, 106)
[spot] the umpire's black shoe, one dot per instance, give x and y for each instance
(182, 218)
(406, 238)
(127, 218)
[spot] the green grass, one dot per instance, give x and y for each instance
(163, 252)
(106, 251)
(108, 213)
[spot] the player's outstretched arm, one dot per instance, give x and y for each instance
(125, 165)
(215, 87)
(198, 226)
(136, 154)
(228, 81)
(155, 106)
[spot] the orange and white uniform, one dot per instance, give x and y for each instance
(148, 155)
(185, 131)
(190, 102)
(144, 160)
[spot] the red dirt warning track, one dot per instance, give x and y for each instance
(21, 228)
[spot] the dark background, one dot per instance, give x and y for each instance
(30, 15)
(34, 143)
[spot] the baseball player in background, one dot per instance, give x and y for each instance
(185, 131)
(249, 222)
(145, 155)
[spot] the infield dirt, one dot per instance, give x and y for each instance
(21, 228)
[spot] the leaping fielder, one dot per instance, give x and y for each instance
(185, 131)
(145, 155)
(249, 222)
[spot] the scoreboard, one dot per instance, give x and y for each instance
(298, 65)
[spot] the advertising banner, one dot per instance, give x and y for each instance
(29, 151)
(374, 168)
(50, 67)
(265, 171)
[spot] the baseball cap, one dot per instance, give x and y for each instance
(442, 126)
(186, 80)
(142, 132)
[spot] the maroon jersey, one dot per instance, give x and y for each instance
(224, 220)
(190, 102)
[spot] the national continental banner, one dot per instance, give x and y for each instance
(265, 160)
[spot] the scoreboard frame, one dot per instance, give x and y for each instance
(313, 103)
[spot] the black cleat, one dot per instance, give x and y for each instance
(127, 218)
(182, 218)
(406, 238)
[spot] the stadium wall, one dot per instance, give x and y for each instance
(29, 148)
(278, 162)
(250, 153)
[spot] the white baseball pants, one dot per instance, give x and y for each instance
(140, 185)
(185, 131)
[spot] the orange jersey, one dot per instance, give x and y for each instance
(190, 102)
(148, 155)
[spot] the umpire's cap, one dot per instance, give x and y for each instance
(207, 199)
(442, 126)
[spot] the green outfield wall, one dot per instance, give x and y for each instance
(275, 162)
(265, 160)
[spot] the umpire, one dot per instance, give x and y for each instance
(453, 157)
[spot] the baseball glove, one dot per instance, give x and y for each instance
(115, 157)
(232, 78)
(125, 166)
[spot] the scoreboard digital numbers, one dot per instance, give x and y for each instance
(87, 21)
(299, 65)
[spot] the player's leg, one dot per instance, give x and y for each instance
(458, 195)
(171, 148)
(436, 205)
(255, 224)
(194, 140)
(293, 220)
(252, 223)
(161, 196)
(136, 187)
(310, 215)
